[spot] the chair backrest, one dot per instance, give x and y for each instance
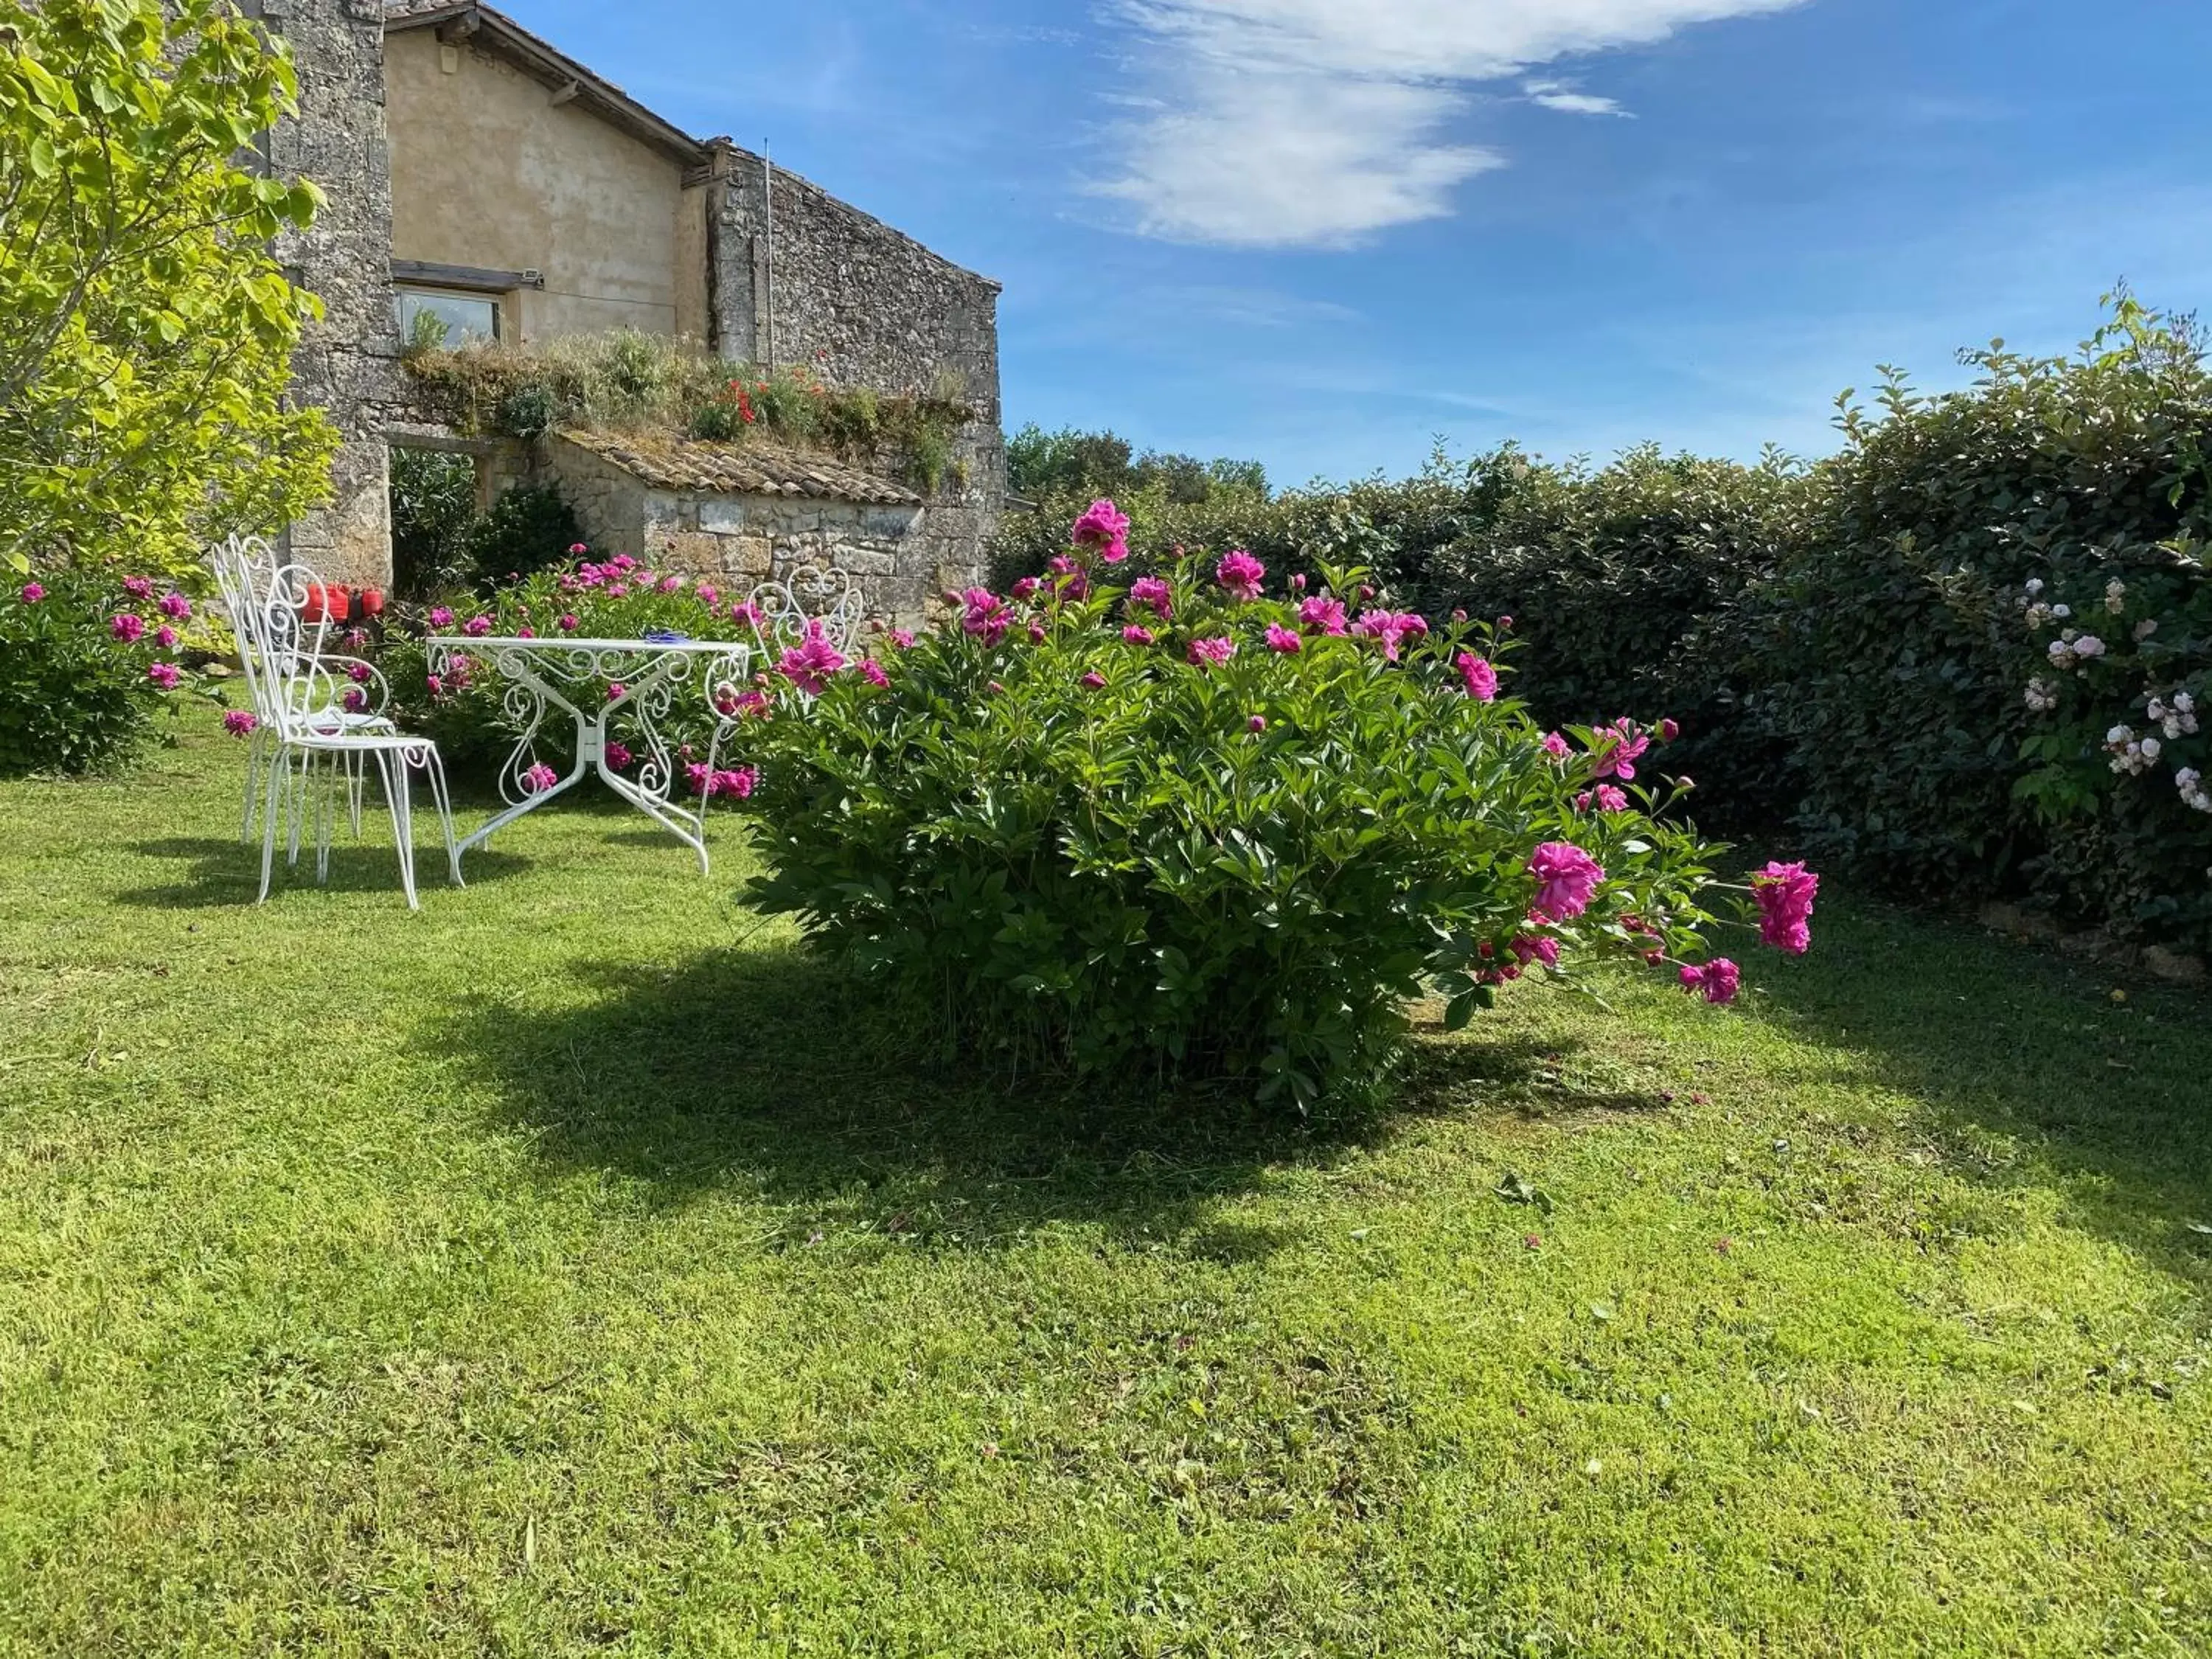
(280, 653)
(806, 594)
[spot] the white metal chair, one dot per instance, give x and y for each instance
(782, 613)
(244, 565)
(324, 715)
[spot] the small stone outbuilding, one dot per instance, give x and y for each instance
(739, 514)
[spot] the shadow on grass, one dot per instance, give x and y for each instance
(2027, 1067)
(764, 1071)
(227, 873)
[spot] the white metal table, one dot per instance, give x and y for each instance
(574, 677)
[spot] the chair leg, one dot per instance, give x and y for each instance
(393, 765)
(356, 778)
(253, 757)
(299, 807)
(323, 827)
(272, 808)
(436, 768)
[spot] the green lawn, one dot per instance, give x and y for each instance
(572, 1268)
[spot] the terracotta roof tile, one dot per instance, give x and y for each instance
(740, 469)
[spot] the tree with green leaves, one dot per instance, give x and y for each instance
(146, 331)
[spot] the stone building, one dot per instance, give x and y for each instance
(474, 172)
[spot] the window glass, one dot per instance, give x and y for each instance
(457, 318)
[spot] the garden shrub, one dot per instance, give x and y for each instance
(1612, 572)
(86, 661)
(1176, 829)
(1938, 748)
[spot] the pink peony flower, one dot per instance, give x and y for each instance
(872, 672)
(740, 783)
(1567, 876)
(1479, 679)
(810, 664)
(1136, 635)
(1070, 579)
(357, 672)
(671, 584)
(903, 638)
(1284, 642)
(441, 616)
(1027, 587)
(1036, 633)
(1555, 746)
(176, 606)
(1105, 528)
(355, 701)
(165, 637)
(709, 595)
(1536, 947)
(128, 628)
(745, 611)
(1718, 979)
(577, 549)
(437, 685)
(138, 587)
(1389, 627)
(33, 592)
(986, 617)
(1321, 614)
(1610, 799)
(616, 690)
(1784, 893)
(164, 675)
(1153, 591)
(1211, 653)
(1094, 680)
(617, 590)
(1623, 744)
(618, 755)
(240, 723)
(537, 778)
(1240, 575)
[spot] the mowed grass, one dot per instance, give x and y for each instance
(573, 1268)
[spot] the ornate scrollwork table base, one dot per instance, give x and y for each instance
(565, 676)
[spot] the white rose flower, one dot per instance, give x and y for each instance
(2088, 646)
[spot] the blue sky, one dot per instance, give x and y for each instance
(1323, 233)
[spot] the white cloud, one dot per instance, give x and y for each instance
(1316, 123)
(1562, 96)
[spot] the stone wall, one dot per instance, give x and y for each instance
(888, 550)
(350, 363)
(862, 306)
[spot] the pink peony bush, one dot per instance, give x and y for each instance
(86, 663)
(1184, 829)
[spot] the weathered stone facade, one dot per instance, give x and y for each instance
(350, 363)
(828, 286)
(863, 306)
